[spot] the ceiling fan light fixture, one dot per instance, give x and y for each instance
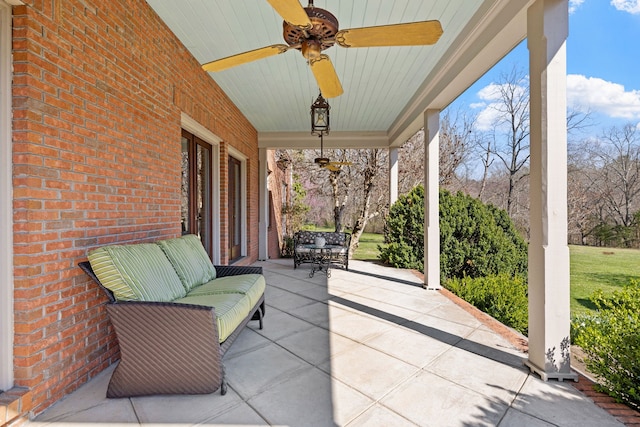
(311, 49)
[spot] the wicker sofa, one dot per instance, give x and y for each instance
(175, 314)
(339, 242)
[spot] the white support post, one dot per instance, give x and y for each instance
(393, 175)
(431, 199)
(6, 204)
(549, 315)
(263, 204)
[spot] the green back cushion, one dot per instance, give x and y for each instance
(138, 272)
(189, 259)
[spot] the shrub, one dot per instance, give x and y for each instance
(286, 251)
(404, 232)
(611, 342)
(503, 297)
(476, 240)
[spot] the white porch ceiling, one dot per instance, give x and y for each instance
(386, 89)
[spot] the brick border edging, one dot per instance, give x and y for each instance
(621, 412)
(15, 405)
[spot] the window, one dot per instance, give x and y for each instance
(196, 194)
(235, 208)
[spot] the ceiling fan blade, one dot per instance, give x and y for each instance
(326, 76)
(409, 34)
(331, 167)
(341, 163)
(243, 58)
(292, 12)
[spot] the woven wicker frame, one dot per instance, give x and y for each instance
(160, 355)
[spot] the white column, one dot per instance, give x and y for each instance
(549, 315)
(6, 204)
(263, 204)
(393, 175)
(431, 199)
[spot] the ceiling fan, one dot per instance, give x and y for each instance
(325, 163)
(312, 30)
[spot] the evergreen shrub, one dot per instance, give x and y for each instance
(611, 342)
(404, 232)
(476, 240)
(504, 297)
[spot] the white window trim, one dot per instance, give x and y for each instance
(192, 126)
(6, 200)
(243, 202)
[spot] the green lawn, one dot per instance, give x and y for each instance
(368, 248)
(591, 268)
(599, 268)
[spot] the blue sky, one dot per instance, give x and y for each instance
(603, 65)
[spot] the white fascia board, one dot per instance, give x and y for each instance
(496, 29)
(304, 140)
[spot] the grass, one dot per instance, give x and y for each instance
(368, 247)
(599, 268)
(592, 268)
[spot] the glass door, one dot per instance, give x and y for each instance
(234, 208)
(196, 203)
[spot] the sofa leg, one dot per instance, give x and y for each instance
(223, 384)
(260, 319)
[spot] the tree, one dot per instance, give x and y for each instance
(374, 164)
(613, 178)
(620, 156)
(350, 196)
(457, 140)
(510, 128)
(484, 148)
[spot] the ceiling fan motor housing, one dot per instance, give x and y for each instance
(319, 37)
(322, 161)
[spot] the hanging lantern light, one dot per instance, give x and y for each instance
(320, 116)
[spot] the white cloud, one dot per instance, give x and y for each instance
(491, 106)
(601, 96)
(631, 6)
(574, 5)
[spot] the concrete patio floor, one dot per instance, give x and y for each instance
(368, 347)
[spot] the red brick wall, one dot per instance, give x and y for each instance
(98, 91)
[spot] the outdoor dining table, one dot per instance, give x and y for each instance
(321, 257)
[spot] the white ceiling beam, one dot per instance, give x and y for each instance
(304, 140)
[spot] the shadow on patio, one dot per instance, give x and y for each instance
(359, 349)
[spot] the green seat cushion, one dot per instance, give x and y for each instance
(231, 310)
(189, 259)
(251, 285)
(138, 272)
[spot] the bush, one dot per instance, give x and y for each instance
(476, 240)
(404, 232)
(502, 296)
(286, 251)
(611, 342)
